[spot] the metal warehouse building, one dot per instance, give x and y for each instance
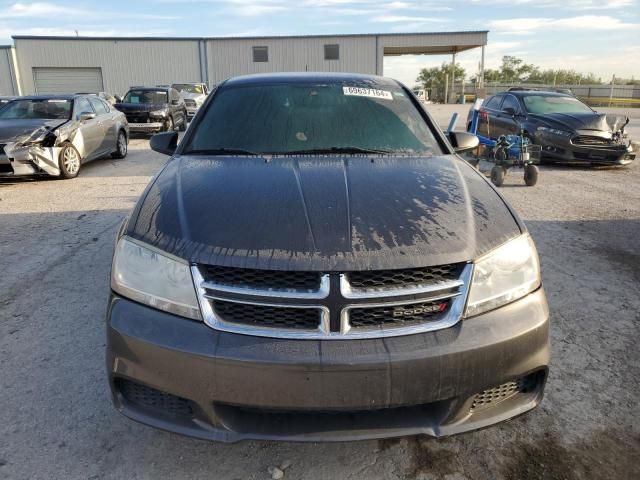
(87, 64)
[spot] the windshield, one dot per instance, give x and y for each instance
(52, 109)
(288, 119)
(547, 104)
(152, 97)
(187, 87)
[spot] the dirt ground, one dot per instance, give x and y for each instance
(56, 422)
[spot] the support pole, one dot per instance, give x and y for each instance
(453, 75)
(481, 82)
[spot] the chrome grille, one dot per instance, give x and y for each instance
(311, 305)
(189, 102)
(591, 140)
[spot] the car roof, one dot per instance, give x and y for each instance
(312, 77)
(51, 97)
(149, 88)
(541, 93)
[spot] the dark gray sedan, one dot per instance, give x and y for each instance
(55, 135)
(316, 262)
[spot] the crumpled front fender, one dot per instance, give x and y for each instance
(26, 156)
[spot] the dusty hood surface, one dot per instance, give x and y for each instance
(324, 213)
(11, 129)
(584, 121)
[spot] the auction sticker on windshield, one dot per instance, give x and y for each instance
(367, 92)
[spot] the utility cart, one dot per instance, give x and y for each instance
(508, 151)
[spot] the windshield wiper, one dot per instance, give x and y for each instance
(332, 150)
(222, 151)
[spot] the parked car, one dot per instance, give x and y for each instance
(154, 109)
(56, 134)
(567, 129)
(4, 100)
(193, 94)
(315, 262)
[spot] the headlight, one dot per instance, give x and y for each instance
(504, 275)
(158, 113)
(555, 131)
(144, 274)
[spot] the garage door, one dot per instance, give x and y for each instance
(67, 80)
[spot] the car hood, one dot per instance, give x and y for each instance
(11, 129)
(583, 121)
(324, 213)
(193, 96)
(139, 107)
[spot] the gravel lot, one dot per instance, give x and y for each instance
(56, 422)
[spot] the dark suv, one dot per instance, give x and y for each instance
(154, 109)
(315, 262)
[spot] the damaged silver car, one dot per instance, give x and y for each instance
(56, 134)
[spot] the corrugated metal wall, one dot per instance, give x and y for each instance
(124, 62)
(229, 57)
(6, 73)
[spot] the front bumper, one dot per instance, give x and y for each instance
(562, 149)
(183, 376)
(30, 160)
(191, 112)
(146, 127)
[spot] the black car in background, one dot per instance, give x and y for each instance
(567, 129)
(154, 109)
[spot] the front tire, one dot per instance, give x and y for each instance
(183, 124)
(121, 146)
(497, 175)
(530, 175)
(169, 125)
(69, 162)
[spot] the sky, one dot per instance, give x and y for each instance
(598, 36)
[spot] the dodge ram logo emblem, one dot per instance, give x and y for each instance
(420, 309)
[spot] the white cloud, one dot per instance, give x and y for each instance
(527, 25)
(21, 10)
(404, 19)
(566, 4)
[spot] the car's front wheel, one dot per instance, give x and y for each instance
(168, 125)
(183, 124)
(69, 162)
(121, 146)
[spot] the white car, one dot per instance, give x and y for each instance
(193, 94)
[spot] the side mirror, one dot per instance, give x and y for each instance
(175, 102)
(84, 116)
(463, 141)
(118, 98)
(165, 143)
(509, 111)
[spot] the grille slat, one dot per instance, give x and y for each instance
(155, 399)
(262, 279)
(405, 278)
(268, 316)
(396, 316)
(502, 392)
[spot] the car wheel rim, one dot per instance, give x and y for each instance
(71, 161)
(122, 144)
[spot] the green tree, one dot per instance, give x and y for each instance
(434, 78)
